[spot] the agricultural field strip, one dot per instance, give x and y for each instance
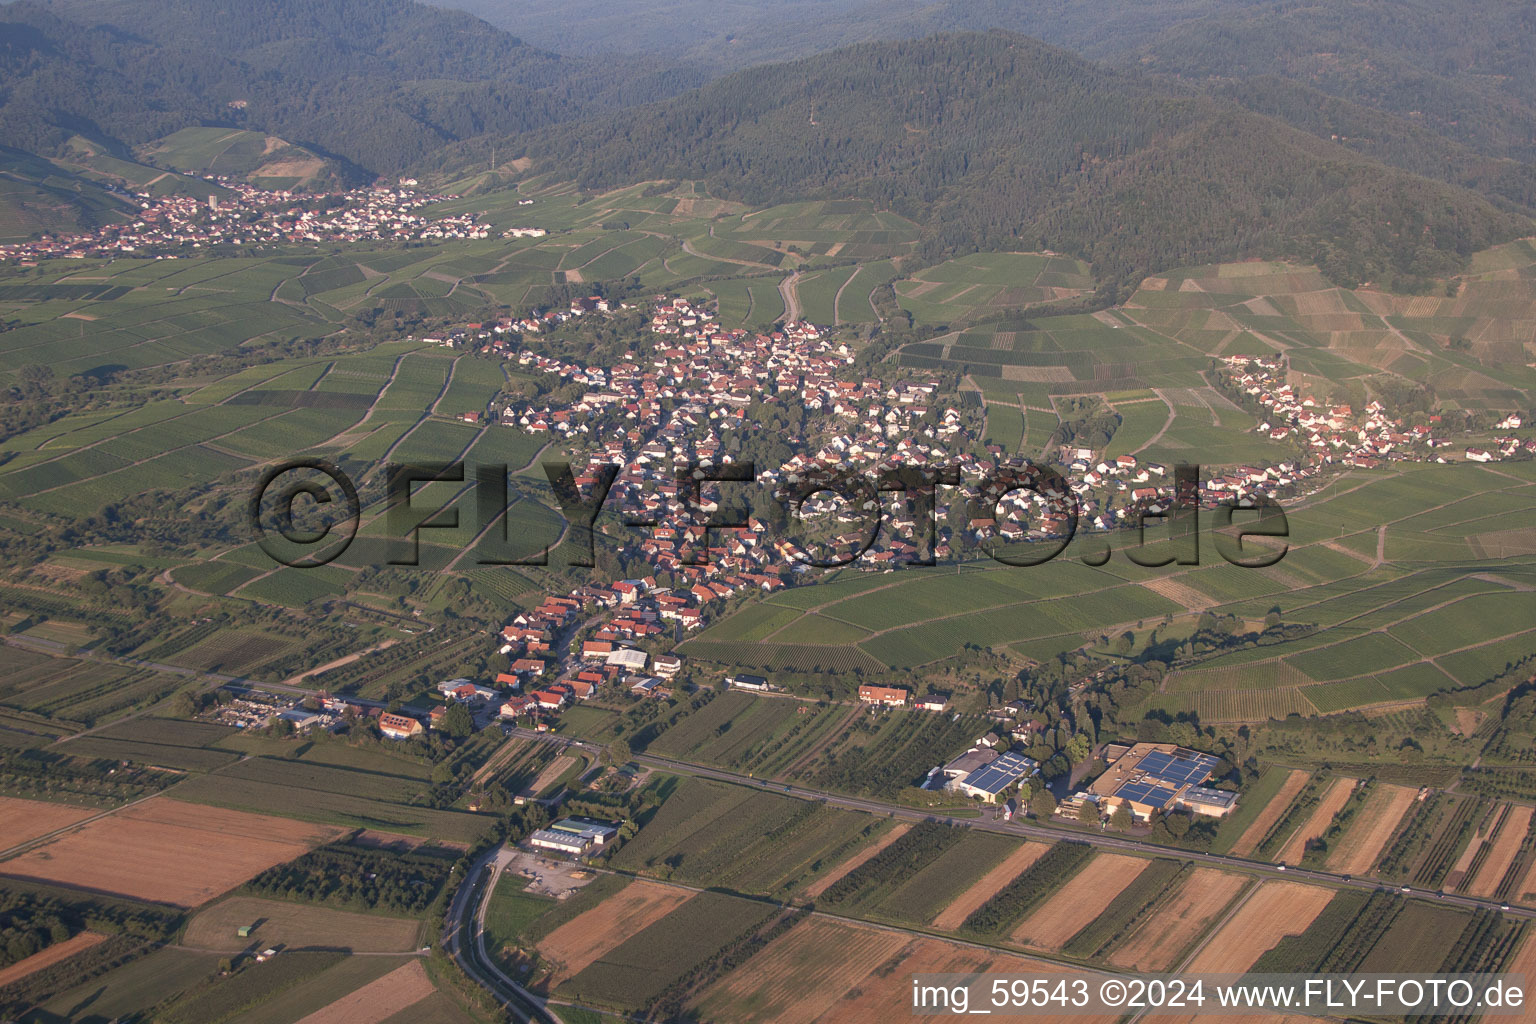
(915, 931)
(1384, 627)
(152, 429)
(1325, 586)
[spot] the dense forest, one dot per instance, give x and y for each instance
(378, 84)
(998, 141)
(1461, 67)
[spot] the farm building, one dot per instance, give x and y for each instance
(746, 682)
(886, 696)
(1161, 777)
(990, 780)
(575, 836)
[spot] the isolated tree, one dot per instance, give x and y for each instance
(458, 722)
(1088, 812)
(1043, 805)
(617, 753)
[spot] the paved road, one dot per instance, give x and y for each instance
(1104, 840)
(464, 940)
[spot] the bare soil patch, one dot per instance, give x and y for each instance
(54, 954)
(985, 887)
(586, 937)
(825, 882)
(25, 820)
(1039, 374)
(1180, 593)
(1327, 809)
(1278, 909)
(551, 772)
(166, 851)
(1502, 855)
(1158, 940)
(798, 976)
(1373, 826)
(378, 1000)
(1272, 812)
(1072, 907)
(885, 994)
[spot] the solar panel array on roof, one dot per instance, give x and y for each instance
(1175, 770)
(1001, 773)
(1147, 791)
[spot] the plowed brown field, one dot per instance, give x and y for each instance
(1070, 909)
(1276, 910)
(587, 936)
(1374, 825)
(1158, 941)
(166, 851)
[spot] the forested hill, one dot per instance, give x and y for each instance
(1465, 68)
(378, 83)
(999, 141)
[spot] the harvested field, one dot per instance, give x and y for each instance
(296, 926)
(985, 887)
(1373, 826)
(24, 820)
(1255, 833)
(166, 851)
(582, 940)
(1525, 892)
(798, 977)
(1327, 809)
(54, 954)
(1276, 910)
(1524, 960)
(1181, 593)
(551, 772)
(1502, 855)
(1155, 944)
(1070, 909)
(825, 882)
(885, 993)
(378, 1000)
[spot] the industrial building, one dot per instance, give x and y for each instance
(989, 781)
(1161, 777)
(575, 836)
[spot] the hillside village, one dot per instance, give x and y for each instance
(239, 213)
(686, 400)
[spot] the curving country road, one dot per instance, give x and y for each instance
(464, 940)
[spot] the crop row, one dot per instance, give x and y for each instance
(1019, 896)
